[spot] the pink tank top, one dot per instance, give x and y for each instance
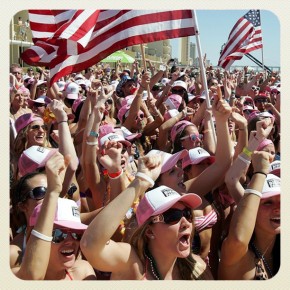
(204, 222)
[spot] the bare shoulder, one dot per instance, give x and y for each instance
(82, 270)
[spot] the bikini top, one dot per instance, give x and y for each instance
(205, 222)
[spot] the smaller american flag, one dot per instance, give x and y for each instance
(245, 37)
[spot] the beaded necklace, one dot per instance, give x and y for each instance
(259, 254)
(153, 265)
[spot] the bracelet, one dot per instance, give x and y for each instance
(206, 131)
(244, 160)
(92, 143)
(94, 134)
(61, 122)
(247, 152)
(253, 191)
(145, 177)
(41, 236)
(260, 172)
(116, 174)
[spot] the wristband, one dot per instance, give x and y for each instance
(244, 160)
(41, 236)
(94, 134)
(247, 152)
(260, 172)
(116, 174)
(92, 143)
(253, 191)
(61, 122)
(145, 177)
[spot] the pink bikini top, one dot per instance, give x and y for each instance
(204, 222)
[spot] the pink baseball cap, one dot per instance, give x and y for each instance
(72, 91)
(160, 199)
(128, 135)
(179, 127)
(264, 143)
(24, 120)
(168, 160)
(173, 101)
(116, 136)
(33, 158)
(275, 168)
(123, 110)
(170, 114)
(271, 186)
(67, 215)
(195, 156)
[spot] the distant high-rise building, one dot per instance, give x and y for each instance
(184, 55)
(192, 51)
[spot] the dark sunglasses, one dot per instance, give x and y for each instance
(37, 127)
(193, 137)
(42, 88)
(261, 101)
(247, 112)
(255, 88)
(175, 91)
(173, 216)
(141, 116)
(109, 101)
(248, 103)
(36, 193)
(59, 235)
(38, 105)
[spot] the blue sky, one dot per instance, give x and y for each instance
(215, 26)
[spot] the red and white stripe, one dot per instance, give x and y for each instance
(65, 49)
(243, 39)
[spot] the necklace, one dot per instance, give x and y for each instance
(153, 265)
(259, 254)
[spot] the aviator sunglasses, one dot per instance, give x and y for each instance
(193, 137)
(37, 127)
(59, 235)
(173, 216)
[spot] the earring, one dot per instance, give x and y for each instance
(152, 237)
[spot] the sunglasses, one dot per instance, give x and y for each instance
(42, 88)
(255, 88)
(36, 193)
(38, 105)
(155, 89)
(247, 112)
(173, 216)
(109, 101)
(175, 91)
(59, 235)
(37, 127)
(193, 137)
(261, 101)
(248, 103)
(140, 116)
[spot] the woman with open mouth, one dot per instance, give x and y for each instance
(160, 248)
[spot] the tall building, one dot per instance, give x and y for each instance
(184, 55)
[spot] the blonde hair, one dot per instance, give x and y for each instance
(187, 267)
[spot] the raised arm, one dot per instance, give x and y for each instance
(37, 253)
(102, 252)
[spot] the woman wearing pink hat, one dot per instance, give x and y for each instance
(160, 248)
(251, 251)
(50, 244)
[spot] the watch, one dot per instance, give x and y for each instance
(72, 189)
(94, 134)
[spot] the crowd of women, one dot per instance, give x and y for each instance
(136, 173)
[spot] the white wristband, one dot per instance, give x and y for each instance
(145, 177)
(244, 160)
(41, 236)
(92, 143)
(253, 191)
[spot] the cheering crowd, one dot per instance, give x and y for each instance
(137, 173)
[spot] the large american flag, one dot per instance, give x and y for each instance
(245, 37)
(71, 40)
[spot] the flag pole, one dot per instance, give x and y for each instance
(262, 51)
(202, 69)
(145, 68)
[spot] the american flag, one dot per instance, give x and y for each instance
(245, 37)
(71, 40)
